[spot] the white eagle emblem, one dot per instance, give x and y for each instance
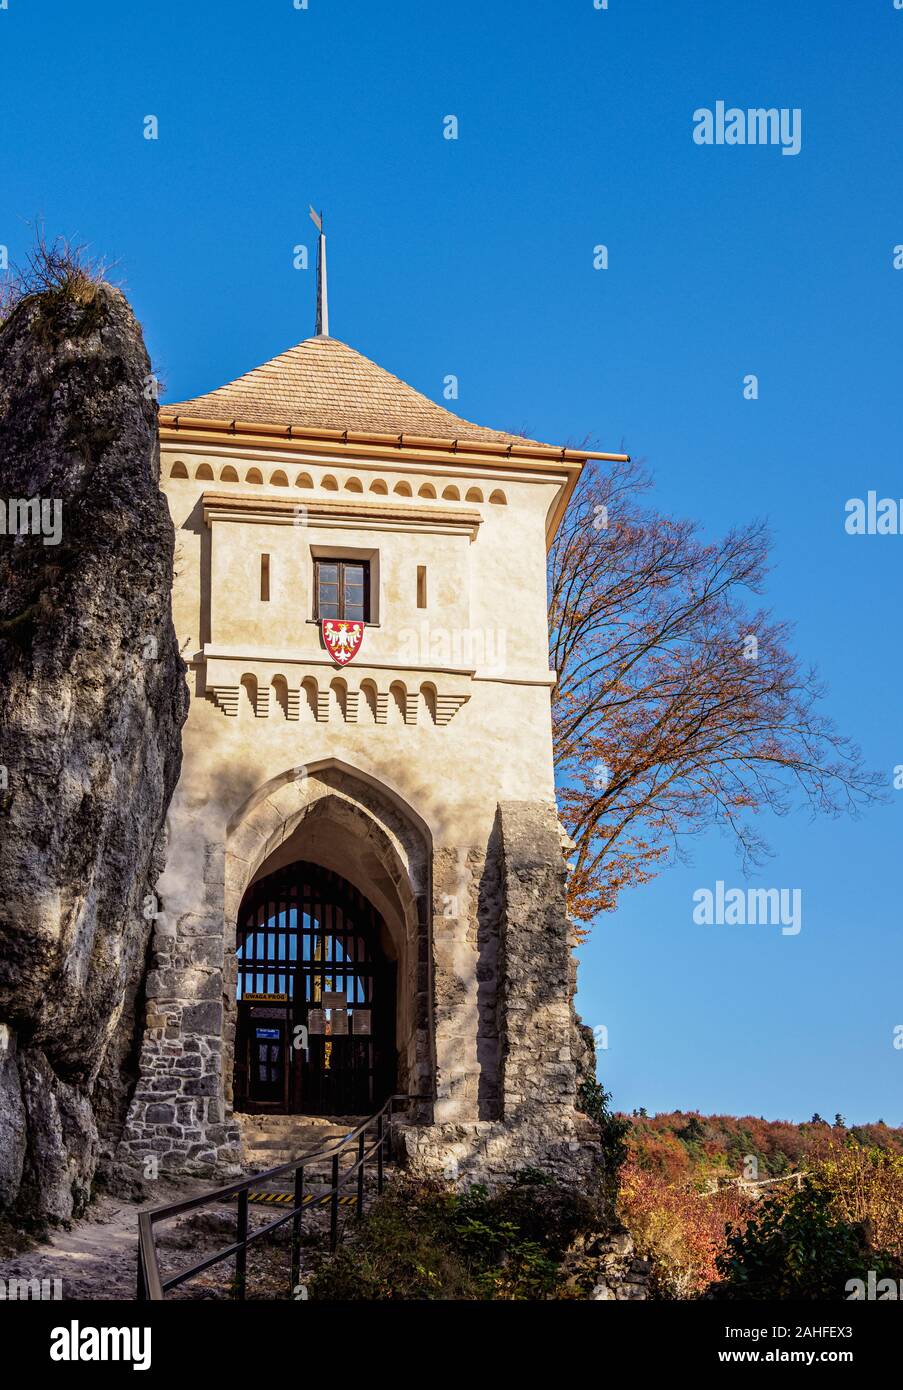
(342, 639)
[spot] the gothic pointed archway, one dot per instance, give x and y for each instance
(315, 997)
(358, 853)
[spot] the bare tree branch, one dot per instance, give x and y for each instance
(679, 705)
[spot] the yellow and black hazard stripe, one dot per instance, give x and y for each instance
(287, 1198)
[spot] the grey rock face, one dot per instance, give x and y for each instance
(12, 1120)
(61, 1140)
(92, 700)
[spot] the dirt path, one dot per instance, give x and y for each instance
(96, 1258)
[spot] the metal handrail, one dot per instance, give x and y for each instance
(153, 1287)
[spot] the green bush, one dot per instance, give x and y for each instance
(594, 1101)
(795, 1248)
(422, 1241)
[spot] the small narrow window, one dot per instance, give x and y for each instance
(421, 586)
(264, 579)
(343, 589)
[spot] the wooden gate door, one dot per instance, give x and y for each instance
(309, 938)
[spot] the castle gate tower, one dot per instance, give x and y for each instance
(364, 843)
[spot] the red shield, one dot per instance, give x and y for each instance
(343, 639)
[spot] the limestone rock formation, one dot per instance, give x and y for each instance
(92, 700)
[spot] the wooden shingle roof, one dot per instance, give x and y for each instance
(323, 383)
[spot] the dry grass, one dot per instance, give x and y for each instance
(60, 268)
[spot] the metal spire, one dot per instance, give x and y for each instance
(322, 301)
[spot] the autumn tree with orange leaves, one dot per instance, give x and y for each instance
(679, 704)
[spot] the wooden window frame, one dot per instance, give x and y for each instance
(341, 566)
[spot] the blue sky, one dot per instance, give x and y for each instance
(475, 257)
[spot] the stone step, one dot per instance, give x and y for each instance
(271, 1140)
(297, 1123)
(267, 1147)
(316, 1173)
(290, 1141)
(265, 1120)
(264, 1139)
(259, 1161)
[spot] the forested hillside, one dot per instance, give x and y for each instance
(710, 1202)
(684, 1146)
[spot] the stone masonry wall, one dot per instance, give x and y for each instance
(466, 917)
(537, 1071)
(178, 1120)
(525, 969)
